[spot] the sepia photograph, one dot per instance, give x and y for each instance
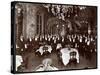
(55, 37)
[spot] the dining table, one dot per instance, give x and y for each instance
(48, 68)
(65, 55)
(46, 65)
(43, 49)
(19, 60)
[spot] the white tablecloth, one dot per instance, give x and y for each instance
(66, 55)
(46, 65)
(48, 68)
(42, 51)
(18, 61)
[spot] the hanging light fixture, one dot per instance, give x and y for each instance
(60, 11)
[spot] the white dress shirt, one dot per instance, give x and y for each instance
(58, 46)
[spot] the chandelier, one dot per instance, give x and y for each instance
(63, 11)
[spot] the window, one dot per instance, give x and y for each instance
(39, 24)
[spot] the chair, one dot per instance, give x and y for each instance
(37, 53)
(45, 49)
(73, 60)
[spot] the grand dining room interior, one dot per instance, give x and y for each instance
(51, 37)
